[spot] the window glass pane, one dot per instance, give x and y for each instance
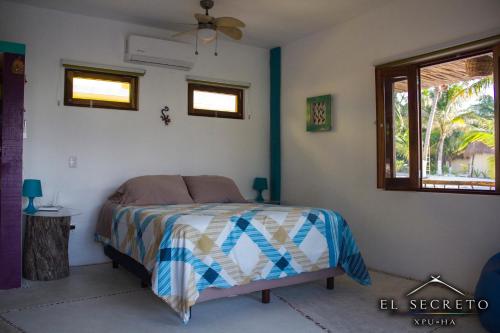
(457, 117)
(101, 90)
(400, 130)
(205, 100)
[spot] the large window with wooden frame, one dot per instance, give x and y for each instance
(215, 101)
(93, 88)
(438, 120)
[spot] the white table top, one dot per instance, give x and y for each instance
(63, 212)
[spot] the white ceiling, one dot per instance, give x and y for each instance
(269, 22)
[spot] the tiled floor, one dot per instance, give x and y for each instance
(98, 298)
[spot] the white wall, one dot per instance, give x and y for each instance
(111, 145)
(411, 234)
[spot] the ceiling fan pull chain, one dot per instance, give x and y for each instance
(216, 42)
(196, 52)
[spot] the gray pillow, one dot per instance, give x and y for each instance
(153, 190)
(211, 189)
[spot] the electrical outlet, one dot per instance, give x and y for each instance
(72, 162)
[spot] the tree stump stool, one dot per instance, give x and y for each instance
(45, 249)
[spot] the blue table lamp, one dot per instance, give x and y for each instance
(259, 184)
(32, 188)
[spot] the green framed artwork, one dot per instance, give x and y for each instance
(319, 113)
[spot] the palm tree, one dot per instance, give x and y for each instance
(484, 133)
(452, 116)
(401, 132)
(436, 95)
(449, 118)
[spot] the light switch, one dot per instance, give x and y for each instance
(72, 162)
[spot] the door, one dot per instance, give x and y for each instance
(11, 145)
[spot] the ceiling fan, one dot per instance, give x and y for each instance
(208, 27)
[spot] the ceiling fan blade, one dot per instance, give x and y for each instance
(229, 22)
(203, 18)
(234, 33)
(184, 33)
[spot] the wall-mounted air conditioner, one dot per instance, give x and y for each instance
(159, 52)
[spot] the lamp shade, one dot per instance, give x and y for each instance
(32, 188)
(260, 184)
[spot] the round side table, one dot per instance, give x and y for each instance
(45, 246)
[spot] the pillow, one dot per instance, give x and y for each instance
(208, 189)
(153, 190)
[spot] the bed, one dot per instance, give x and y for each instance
(189, 252)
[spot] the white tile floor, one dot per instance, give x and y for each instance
(98, 298)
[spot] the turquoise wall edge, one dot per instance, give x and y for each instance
(10, 47)
(275, 123)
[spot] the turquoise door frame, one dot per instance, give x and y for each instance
(275, 124)
(11, 47)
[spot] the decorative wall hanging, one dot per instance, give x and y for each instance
(165, 117)
(319, 113)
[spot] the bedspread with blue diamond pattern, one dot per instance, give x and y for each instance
(189, 248)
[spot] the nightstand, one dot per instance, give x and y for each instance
(45, 246)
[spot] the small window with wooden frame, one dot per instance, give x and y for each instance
(438, 120)
(96, 88)
(212, 100)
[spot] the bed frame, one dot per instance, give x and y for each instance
(265, 286)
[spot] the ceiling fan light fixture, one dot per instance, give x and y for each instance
(209, 27)
(206, 34)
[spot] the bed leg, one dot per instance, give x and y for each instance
(330, 283)
(266, 296)
(115, 264)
